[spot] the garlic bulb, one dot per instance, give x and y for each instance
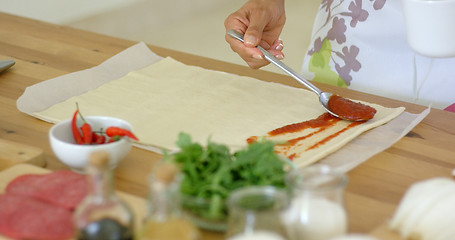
(427, 211)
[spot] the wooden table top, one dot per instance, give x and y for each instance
(43, 51)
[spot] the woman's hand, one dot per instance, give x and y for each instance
(261, 22)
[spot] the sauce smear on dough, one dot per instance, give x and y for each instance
(350, 110)
(324, 120)
(297, 137)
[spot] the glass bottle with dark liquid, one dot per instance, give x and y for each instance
(102, 215)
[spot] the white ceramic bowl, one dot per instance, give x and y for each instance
(76, 156)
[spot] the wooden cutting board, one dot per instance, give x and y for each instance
(137, 204)
(12, 153)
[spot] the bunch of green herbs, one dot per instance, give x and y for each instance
(213, 172)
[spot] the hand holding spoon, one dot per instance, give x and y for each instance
(337, 106)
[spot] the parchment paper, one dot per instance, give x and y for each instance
(43, 95)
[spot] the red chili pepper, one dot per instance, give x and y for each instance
(113, 139)
(101, 139)
(87, 133)
(98, 139)
(86, 129)
(113, 131)
(76, 134)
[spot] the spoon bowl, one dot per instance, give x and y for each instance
(324, 98)
(345, 109)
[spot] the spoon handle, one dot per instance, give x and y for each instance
(279, 64)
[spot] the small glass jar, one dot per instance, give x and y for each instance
(256, 213)
(317, 209)
(165, 220)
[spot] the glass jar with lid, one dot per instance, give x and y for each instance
(256, 213)
(317, 210)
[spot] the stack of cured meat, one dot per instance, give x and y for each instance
(40, 206)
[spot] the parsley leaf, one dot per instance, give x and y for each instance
(212, 172)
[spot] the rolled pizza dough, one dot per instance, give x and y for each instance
(169, 97)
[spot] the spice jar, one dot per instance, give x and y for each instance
(256, 213)
(317, 209)
(102, 215)
(165, 220)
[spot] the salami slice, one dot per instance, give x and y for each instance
(62, 188)
(22, 217)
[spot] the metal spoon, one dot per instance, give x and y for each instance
(324, 97)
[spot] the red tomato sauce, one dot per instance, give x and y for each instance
(350, 110)
(324, 120)
(323, 141)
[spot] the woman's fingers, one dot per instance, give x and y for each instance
(252, 55)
